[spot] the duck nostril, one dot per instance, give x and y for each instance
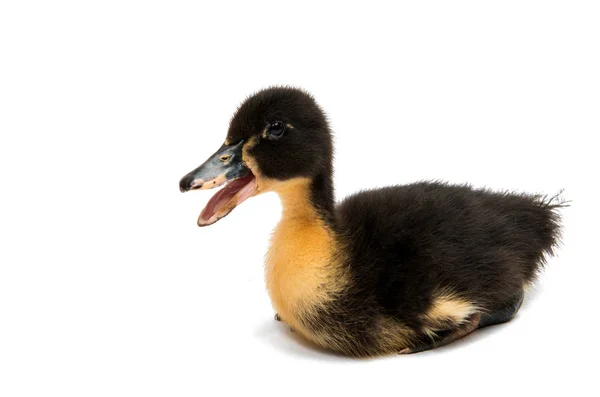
(224, 158)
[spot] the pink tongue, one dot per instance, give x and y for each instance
(223, 196)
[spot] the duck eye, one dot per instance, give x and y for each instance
(275, 130)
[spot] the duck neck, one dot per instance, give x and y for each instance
(322, 197)
(308, 200)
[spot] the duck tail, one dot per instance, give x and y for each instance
(550, 230)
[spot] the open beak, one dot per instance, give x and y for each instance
(223, 167)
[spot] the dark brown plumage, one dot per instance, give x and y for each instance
(398, 269)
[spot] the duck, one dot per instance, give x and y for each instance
(399, 269)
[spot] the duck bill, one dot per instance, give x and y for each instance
(224, 167)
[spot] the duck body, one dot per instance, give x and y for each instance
(400, 269)
(411, 263)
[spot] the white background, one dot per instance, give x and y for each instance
(108, 288)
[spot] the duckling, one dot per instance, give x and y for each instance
(401, 269)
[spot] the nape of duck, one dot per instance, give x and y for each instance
(400, 269)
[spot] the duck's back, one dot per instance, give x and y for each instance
(407, 244)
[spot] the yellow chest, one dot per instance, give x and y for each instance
(300, 273)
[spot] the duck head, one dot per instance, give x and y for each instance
(276, 136)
